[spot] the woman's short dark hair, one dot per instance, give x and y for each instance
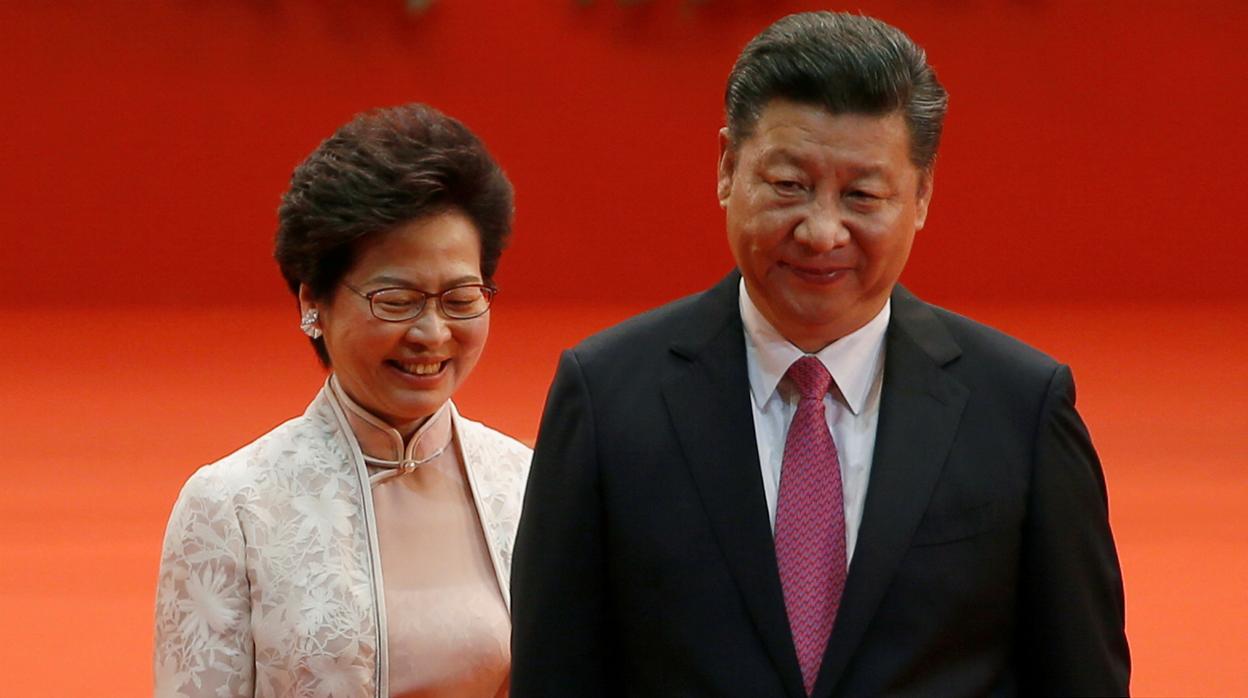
(845, 63)
(385, 168)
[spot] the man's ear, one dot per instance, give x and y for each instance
(927, 178)
(727, 167)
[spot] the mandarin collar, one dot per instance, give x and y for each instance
(382, 445)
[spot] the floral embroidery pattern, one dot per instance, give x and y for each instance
(267, 585)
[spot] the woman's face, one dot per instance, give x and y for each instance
(403, 372)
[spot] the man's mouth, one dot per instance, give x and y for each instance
(815, 274)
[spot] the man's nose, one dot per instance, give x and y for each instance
(823, 227)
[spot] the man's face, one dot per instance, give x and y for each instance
(821, 211)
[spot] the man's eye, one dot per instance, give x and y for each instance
(788, 186)
(863, 199)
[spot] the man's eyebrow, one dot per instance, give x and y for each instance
(860, 171)
(783, 156)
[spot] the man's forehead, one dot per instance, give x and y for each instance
(804, 133)
(811, 153)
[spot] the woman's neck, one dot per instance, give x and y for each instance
(383, 441)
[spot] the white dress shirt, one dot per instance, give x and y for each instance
(852, 405)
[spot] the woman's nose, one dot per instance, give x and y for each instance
(431, 328)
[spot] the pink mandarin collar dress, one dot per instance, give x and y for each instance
(448, 626)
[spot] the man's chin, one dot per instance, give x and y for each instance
(824, 322)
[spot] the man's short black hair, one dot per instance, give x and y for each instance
(844, 63)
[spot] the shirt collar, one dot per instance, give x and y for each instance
(852, 360)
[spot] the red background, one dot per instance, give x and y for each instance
(1093, 150)
(1088, 200)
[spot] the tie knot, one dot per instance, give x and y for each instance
(810, 377)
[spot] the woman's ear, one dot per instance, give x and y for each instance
(309, 313)
(306, 300)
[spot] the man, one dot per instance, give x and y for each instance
(806, 481)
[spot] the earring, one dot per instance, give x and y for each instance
(307, 323)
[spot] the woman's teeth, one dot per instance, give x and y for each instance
(421, 369)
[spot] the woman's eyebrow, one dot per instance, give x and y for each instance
(387, 280)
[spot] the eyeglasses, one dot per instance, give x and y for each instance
(398, 304)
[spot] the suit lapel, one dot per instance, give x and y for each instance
(709, 402)
(920, 408)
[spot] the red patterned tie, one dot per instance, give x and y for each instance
(810, 521)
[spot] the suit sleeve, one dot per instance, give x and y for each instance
(1071, 633)
(560, 631)
(203, 643)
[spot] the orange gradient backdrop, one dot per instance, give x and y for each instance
(1088, 200)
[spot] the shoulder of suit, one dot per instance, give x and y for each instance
(986, 348)
(648, 338)
(651, 325)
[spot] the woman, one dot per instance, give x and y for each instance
(363, 548)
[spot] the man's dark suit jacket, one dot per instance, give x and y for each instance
(644, 564)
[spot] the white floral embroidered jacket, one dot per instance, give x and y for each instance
(270, 578)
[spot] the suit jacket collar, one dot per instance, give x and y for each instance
(921, 406)
(709, 404)
(716, 314)
(920, 409)
(854, 360)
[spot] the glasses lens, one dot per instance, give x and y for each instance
(465, 302)
(396, 304)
